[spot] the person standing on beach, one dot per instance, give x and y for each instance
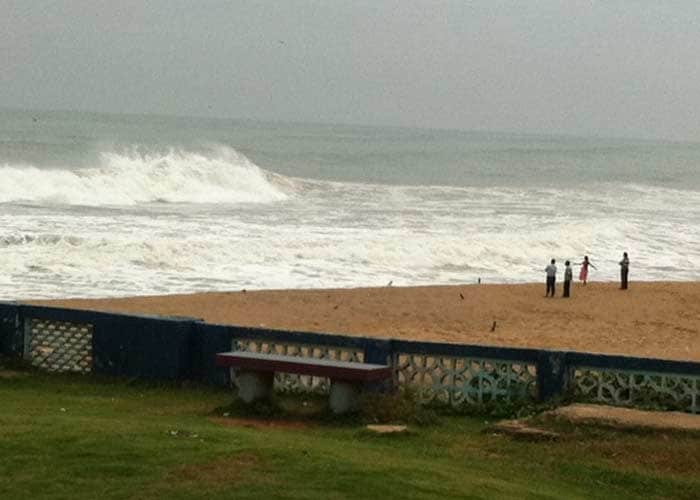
(551, 271)
(568, 276)
(583, 275)
(624, 271)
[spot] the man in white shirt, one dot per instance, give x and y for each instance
(551, 271)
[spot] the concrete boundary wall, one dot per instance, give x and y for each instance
(179, 348)
(11, 335)
(149, 347)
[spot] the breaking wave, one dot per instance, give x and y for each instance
(124, 179)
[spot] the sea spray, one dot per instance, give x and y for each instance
(124, 179)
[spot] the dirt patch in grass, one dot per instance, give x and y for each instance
(678, 455)
(257, 423)
(522, 430)
(212, 476)
(7, 374)
(217, 472)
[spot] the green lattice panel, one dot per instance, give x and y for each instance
(460, 381)
(638, 389)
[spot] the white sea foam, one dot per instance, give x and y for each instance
(125, 179)
(343, 235)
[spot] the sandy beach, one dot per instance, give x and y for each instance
(652, 319)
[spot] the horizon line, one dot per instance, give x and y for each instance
(512, 133)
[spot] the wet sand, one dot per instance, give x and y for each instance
(651, 319)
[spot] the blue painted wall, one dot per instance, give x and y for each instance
(175, 348)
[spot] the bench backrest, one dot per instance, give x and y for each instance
(299, 383)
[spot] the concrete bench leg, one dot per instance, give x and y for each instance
(254, 386)
(344, 396)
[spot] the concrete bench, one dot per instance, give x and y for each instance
(255, 375)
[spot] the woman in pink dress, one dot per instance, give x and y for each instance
(583, 275)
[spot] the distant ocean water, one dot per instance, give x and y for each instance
(111, 205)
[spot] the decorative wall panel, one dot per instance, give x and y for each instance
(640, 389)
(59, 346)
(457, 381)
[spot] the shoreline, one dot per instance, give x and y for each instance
(652, 319)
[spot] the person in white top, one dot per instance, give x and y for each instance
(551, 271)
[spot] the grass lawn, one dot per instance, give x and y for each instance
(75, 437)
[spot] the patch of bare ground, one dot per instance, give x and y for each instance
(522, 429)
(7, 374)
(222, 471)
(668, 454)
(256, 423)
(387, 429)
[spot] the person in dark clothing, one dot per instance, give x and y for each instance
(568, 276)
(551, 271)
(624, 271)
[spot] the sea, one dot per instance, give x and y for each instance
(103, 205)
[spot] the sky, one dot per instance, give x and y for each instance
(603, 68)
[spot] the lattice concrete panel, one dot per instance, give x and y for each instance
(640, 389)
(60, 346)
(457, 381)
(299, 383)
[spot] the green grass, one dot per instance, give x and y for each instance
(77, 437)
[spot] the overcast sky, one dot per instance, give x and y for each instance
(586, 67)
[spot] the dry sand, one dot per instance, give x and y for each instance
(652, 319)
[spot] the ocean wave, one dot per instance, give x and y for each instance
(124, 179)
